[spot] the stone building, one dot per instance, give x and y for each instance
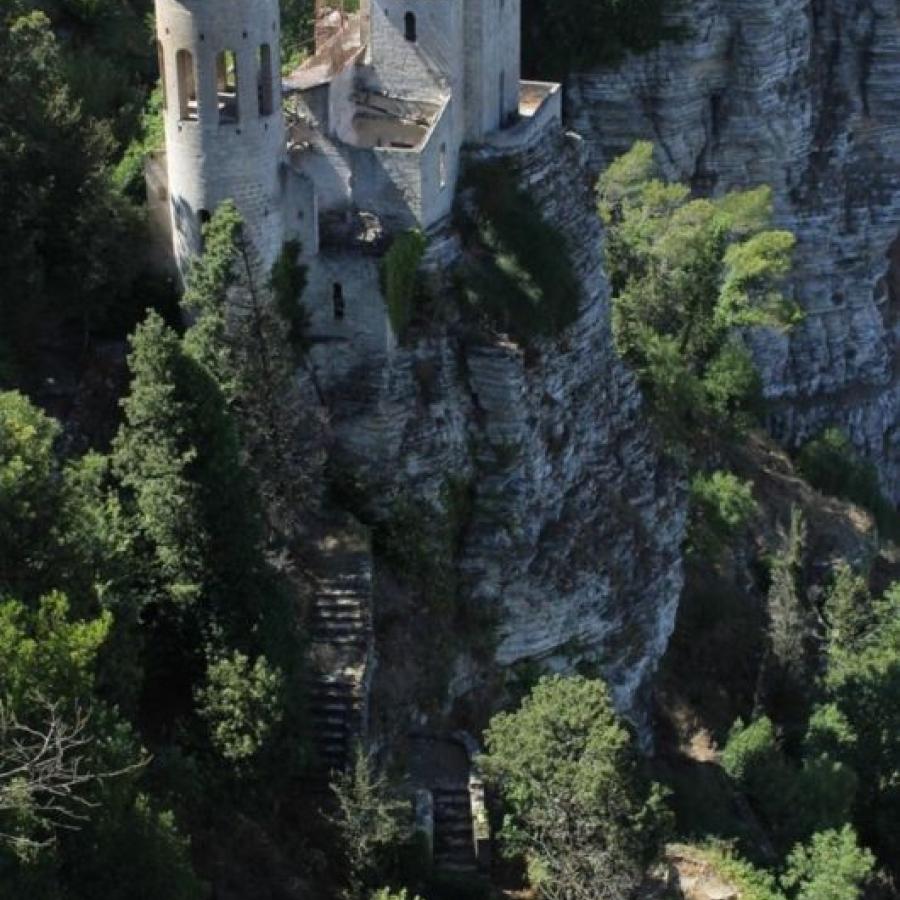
(362, 141)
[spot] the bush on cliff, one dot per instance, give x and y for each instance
(688, 276)
(831, 464)
(518, 274)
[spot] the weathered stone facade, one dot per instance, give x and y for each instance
(211, 156)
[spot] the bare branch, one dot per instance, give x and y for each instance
(45, 772)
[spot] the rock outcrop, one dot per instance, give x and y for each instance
(803, 95)
(572, 537)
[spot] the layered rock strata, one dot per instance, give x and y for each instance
(803, 95)
(573, 538)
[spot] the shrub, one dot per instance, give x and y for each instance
(830, 464)
(687, 273)
(401, 265)
(751, 752)
(721, 505)
(519, 273)
(241, 703)
(831, 867)
(753, 883)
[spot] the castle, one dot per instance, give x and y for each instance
(360, 142)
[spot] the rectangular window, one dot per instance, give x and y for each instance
(187, 86)
(264, 80)
(227, 86)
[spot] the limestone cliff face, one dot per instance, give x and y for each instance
(573, 538)
(803, 95)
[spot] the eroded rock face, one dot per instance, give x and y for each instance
(803, 95)
(576, 522)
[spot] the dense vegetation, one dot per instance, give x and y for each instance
(138, 606)
(687, 274)
(148, 635)
(689, 277)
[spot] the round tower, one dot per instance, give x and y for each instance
(221, 75)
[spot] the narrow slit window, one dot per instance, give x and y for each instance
(264, 79)
(442, 166)
(337, 300)
(187, 86)
(409, 27)
(161, 62)
(227, 86)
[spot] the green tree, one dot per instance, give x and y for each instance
(721, 506)
(29, 494)
(246, 334)
(795, 799)
(241, 703)
(373, 824)
(831, 867)
(862, 682)
(64, 228)
(686, 275)
(784, 678)
(579, 811)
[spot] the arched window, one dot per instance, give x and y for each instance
(161, 62)
(409, 27)
(227, 86)
(337, 300)
(187, 85)
(264, 79)
(442, 166)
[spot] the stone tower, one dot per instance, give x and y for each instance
(221, 75)
(492, 64)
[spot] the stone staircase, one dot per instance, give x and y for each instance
(339, 623)
(454, 844)
(337, 721)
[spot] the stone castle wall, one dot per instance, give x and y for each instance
(493, 46)
(210, 161)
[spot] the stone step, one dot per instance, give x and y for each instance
(325, 638)
(338, 611)
(343, 591)
(455, 866)
(339, 626)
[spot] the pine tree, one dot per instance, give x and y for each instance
(784, 681)
(243, 335)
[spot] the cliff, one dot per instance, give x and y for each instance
(803, 95)
(567, 551)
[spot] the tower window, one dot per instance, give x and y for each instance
(409, 27)
(161, 62)
(264, 79)
(442, 166)
(227, 86)
(337, 300)
(187, 85)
